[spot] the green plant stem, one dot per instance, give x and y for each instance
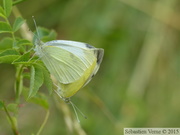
(12, 33)
(44, 122)
(18, 83)
(13, 125)
(14, 40)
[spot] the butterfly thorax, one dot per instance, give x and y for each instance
(39, 47)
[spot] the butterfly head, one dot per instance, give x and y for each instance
(66, 100)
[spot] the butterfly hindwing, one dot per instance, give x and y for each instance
(99, 53)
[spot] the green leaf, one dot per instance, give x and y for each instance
(7, 7)
(36, 80)
(17, 2)
(24, 42)
(2, 14)
(25, 90)
(12, 107)
(14, 119)
(9, 52)
(17, 24)
(6, 43)
(40, 99)
(45, 35)
(47, 79)
(23, 59)
(8, 56)
(26, 75)
(1, 105)
(51, 36)
(5, 28)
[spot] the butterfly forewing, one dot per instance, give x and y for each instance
(69, 43)
(67, 62)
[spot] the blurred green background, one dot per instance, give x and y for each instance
(138, 84)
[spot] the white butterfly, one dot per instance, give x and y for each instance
(72, 63)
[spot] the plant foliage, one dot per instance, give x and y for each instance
(19, 52)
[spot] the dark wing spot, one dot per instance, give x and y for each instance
(92, 75)
(89, 46)
(71, 56)
(100, 54)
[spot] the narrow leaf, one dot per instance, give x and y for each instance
(24, 42)
(8, 56)
(7, 7)
(14, 119)
(26, 75)
(40, 99)
(36, 81)
(6, 43)
(51, 36)
(9, 52)
(17, 24)
(4, 27)
(1, 104)
(47, 79)
(45, 34)
(12, 107)
(2, 14)
(17, 2)
(23, 59)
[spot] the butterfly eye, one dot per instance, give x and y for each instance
(89, 46)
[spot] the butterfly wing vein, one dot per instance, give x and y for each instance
(67, 63)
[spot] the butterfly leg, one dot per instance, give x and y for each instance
(58, 90)
(31, 57)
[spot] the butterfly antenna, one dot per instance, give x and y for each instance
(38, 35)
(76, 108)
(34, 34)
(72, 104)
(75, 112)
